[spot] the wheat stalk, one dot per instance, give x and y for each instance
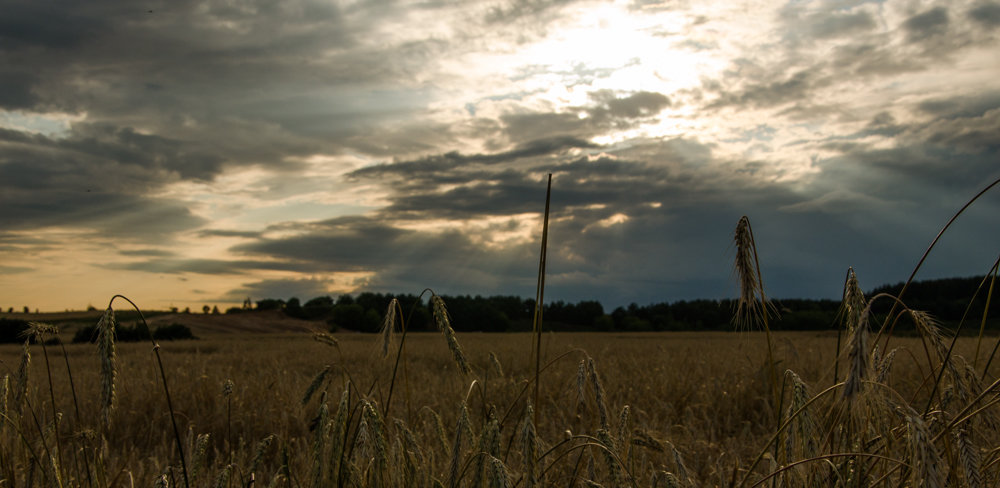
(614, 470)
(598, 393)
(339, 435)
(444, 325)
(198, 454)
(109, 362)
(4, 389)
(325, 339)
(387, 330)
(315, 384)
(376, 428)
(529, 447)
(971, 462)
(924, 459)
(489, 444)
(21, 380)
(456, 451)
(753, 307)
(858, 357)
(498, 474)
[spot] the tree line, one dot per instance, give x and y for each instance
(946, 299)
(949, 300)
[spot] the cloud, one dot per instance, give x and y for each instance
(926, 25)
(16, 89)
(797, 86)
(304, 147)
(303, 289)
(147, 253)
(610, 112)
(402, 259)
(98, 179)
(228, 233)
(4, 269)
(445, 162)
(987, 14)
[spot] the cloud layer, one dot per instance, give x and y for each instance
(206, 151)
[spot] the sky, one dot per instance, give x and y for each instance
(185, 153)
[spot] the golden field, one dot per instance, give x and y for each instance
(684, 409)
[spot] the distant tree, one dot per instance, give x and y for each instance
(215, 310)
(173, 309)
(345, 299)
(293, 308)
(206, 309)
(173, 332)
(11, 329)
(187, 309)
(317, 308)
(604, 323)
(91, 308)
(26, 309)
(270, 304)
(347, 316)
(247, 304)
(10, 310)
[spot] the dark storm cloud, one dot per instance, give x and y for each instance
(403, 259)
(963, 106)
(926, 25)
(303, 289)
(838, 24)
(824, 24)
(442, 163)
(986, 14)
(873, 59)
(933, 158)
(228, 233)
(16, 89)
(610, 112)
(636, 105)
(261, 80)
(168, 265)
(459, 186)
(28, 25)
(796, 86)
(680, 226)
(96, 179)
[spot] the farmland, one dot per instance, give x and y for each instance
(613, 409)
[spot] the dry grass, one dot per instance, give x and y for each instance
(696, 413)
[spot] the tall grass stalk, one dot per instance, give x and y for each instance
(166, 389)
(536, 325)
(753, 307)
(38, 331)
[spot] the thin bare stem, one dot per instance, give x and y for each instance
(536, 325)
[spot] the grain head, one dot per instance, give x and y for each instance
(109, 362)
(388, 328)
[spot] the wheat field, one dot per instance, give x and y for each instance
(637, 409)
